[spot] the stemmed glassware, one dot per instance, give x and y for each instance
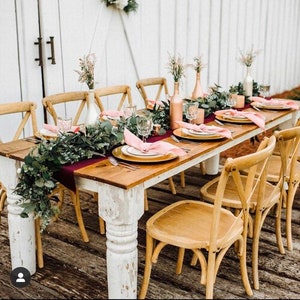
(231, 101)
(191, 111)
(265, 90)
(144, 125)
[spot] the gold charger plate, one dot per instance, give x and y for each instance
(232, 120)
(118, 153)
(272, 107)
(179, 133)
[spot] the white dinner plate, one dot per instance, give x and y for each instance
(229, 116)
(195, 132)
(128, 150)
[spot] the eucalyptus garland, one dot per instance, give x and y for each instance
(36, 176)
(36, 181)
(215, 100)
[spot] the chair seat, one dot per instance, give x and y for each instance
(231, 199)
(187, 223)
(274, 168)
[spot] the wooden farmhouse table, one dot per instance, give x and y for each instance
(121, 197)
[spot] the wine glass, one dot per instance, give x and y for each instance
(231, 101)
(130, 111)
(144, 125)
(265, 90)
(191, 111)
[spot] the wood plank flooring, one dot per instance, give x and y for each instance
(77, 270)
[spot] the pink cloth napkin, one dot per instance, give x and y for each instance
(275, 101)
(160, 147)
(151, 103)
(53, 128)
(206, 128)
(256, 118)
(112, 113)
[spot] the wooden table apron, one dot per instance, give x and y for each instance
(121, 199)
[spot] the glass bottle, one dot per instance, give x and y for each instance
(176, 107)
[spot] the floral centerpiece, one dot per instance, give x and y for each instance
(247, 58)
(176, 68)
(87, 70)
(126, 5)
(198, 66)
(215, 100)
(87, 76)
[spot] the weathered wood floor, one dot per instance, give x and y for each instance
(76, 270)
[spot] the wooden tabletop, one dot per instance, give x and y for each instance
(152, 173)
(124, 178)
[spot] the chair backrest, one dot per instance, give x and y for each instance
(288, 145)
(155, 86)
(66, 102)
(23, 112)
(116, 97)
(236, 168)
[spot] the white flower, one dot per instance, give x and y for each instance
(176, 67)
(247, 57)
(86, 73)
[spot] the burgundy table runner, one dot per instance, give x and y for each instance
(66, 174)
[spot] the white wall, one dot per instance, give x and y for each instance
(134, 46)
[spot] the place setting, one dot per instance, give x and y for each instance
(139, 150)
(273, 103)
(232, 115)
(192, 131)
(50, 131)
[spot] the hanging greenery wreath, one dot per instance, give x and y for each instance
(126, 5)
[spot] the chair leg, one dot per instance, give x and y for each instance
(289, 207)
(278, 227)
(38, 241)
(255, 245)
(180, 260)
(146, 204)
(202, 168)
(101, 225)
(244, 273)
(172, 186)
(148, 266)
(182, 179)
(76, 203)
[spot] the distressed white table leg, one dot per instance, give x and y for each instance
(121, 209)
(21, 236)
(212, 165)
(21, 230)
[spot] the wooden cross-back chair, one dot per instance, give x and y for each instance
(121, 92)
(207, 229)
(51, 103)
(261, 203)
(26, 111)
(160, 84)
(285, 166)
